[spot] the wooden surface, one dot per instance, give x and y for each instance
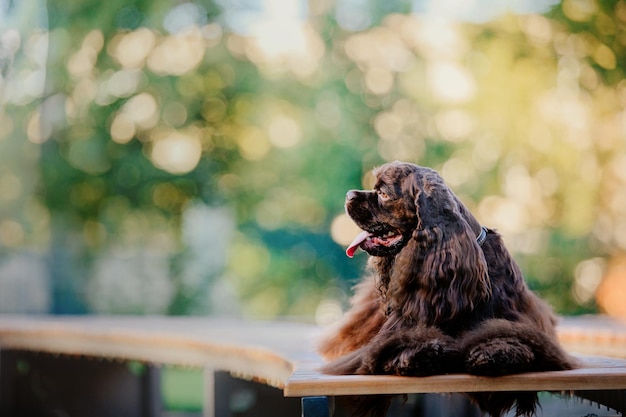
(607, 375)
(282, 354)
(260, 350)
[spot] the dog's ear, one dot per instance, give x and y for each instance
(447, 254)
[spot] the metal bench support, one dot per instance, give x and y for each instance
(316, 407)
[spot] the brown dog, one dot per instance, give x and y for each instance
(444, 296)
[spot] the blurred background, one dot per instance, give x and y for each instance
(191, 158)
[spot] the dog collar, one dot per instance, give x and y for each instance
(482, 236)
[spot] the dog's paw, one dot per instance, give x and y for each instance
(425, 358)
(499, 357)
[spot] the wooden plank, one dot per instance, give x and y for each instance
(583, 336)
(303, 383)
(261, 351)
(282, 354)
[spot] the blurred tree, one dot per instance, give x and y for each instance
(195, 155)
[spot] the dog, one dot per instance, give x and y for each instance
(443, 295)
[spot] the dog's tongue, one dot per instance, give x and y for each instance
(356, 243)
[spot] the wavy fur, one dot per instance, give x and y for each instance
(438, 302)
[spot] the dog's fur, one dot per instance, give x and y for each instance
(437, 301)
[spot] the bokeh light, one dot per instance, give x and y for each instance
(250, 120)
(343, 230)
(174, 151)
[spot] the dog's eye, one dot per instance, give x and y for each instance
(382, 195)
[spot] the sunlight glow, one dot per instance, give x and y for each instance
(537, 28)
(178, 54)
(343, 230)
(281, 39)
(142, 109)
(579, 10)
(34, 129)
(284, 132)
(253, 143)
(379, 80)
(388, 125)
(122, 129)
(280, 31)
(504, 214)
(123, 83)
(570, 112)
(587, 277)
(521, 110)
(131, 49)
(435, 38)
(456, 171)
(175, 151)
(455, 125)
(450, 82)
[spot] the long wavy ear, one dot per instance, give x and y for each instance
(449, 261)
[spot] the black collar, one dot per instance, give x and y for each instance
(482, 236)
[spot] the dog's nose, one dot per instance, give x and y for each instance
(351, 195)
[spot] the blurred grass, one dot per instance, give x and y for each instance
(182, 389)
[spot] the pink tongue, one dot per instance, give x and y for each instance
(356, 243)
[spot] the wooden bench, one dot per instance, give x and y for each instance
(87, 356)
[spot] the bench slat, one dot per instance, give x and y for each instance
(282, 354)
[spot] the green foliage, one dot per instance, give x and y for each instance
(151, 109)
(182, 389)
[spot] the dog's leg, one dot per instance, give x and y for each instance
(500, 356)
(499, 347)
(420, 351)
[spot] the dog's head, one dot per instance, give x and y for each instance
(387, 214)
(406, 201)
(421, 234)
